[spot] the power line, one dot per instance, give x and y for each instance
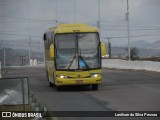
(25, 19)
(23, 42)
(107, 24)
(133, 27)
(18, 34)
(20, 40)
(21, 29)
(133, 36)
(117, 29)
(110, 37)
(21, 45)
(13, 28)
(25, 29)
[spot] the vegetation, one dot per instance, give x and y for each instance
(134, 53)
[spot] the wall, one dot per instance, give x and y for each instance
(136, 65)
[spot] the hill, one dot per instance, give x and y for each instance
(144, 45)
(140, 44)
(155, 45)
(14, 56)
(121, 51)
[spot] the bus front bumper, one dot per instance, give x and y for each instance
(77, 81)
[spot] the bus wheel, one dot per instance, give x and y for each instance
(47, 75)
(95, 87)
(51, 84)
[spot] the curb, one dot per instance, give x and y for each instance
(38, 106)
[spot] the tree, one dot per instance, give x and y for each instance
(134, 53)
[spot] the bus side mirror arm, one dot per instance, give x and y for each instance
(44, 37)
(103, 49)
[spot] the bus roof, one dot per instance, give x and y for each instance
(71, 28)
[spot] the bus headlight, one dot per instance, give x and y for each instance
(95, 75)
(62, 76)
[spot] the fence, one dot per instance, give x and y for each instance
(136, 65)
(14, 91)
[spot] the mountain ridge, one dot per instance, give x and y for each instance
(142, 44)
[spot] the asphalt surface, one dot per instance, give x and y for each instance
(121, 90)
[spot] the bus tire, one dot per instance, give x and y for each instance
(51, 84)
(47, 75)
(95, 87)
(59, 88)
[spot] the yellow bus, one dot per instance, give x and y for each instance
(73, 55)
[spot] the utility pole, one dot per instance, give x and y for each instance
(43, 18)
(29, 34)
(74, 11)
(38, 52)
(4, 51)
(128, 29)
(29, 54)
(38, 46)
(56, 12)
(43, 24)
(4, 55)
(99, 18)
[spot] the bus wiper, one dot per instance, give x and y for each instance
(83, 60)
(71, 62)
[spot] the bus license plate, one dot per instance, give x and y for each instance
(79, 81)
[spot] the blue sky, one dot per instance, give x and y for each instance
(20, 19)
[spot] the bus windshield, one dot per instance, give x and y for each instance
(77, 51)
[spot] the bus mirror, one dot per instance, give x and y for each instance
(103, 49)
(51, 51)
(44, 37)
